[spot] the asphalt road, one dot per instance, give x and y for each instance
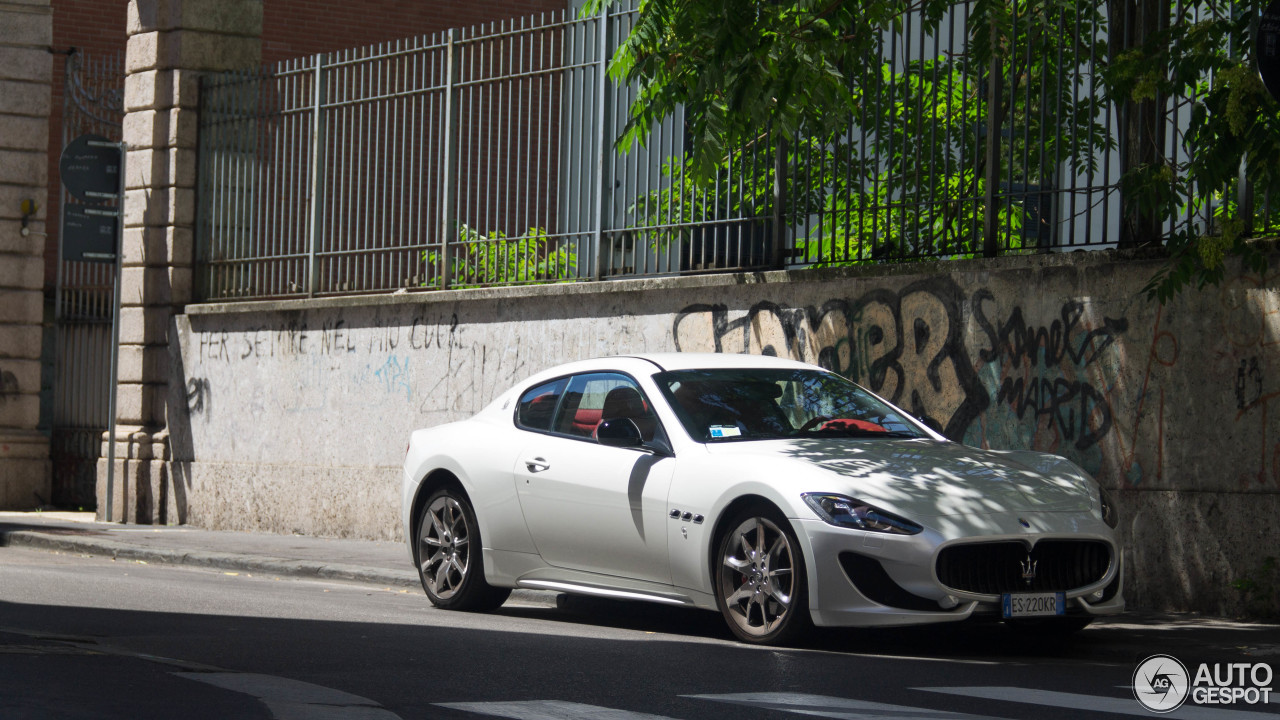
(84, 637)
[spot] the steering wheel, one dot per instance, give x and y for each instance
(813, 421)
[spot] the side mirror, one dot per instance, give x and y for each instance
(619, 432)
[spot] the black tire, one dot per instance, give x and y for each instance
(759, 578)
(450, 559)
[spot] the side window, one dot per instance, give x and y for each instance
(538, 405)
(594, 397)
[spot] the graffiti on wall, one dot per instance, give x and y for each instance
(906, 345)
(951, 358)
(427, 361)
(1251, 326)
(198, 396)
(1045, 368)
(1103, 381)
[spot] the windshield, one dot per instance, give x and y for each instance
(755, 404)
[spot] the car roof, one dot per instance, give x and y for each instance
(650, 363)
(691, 361)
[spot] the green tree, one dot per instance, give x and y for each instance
(890, 154)
(904, 165)
(1231, 147)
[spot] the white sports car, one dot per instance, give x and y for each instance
(777, 492)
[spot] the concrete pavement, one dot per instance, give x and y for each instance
(381, 563)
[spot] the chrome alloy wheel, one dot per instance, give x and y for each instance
(445, 548)
(757, 577)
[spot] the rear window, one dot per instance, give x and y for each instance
(593, 397)
(538, 405)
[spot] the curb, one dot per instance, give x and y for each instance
(263, 564)
(211, 559)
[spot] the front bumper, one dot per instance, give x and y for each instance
(869, 579)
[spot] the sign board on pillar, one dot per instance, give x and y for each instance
(90, 168)
(88, 234)
(1267, 50)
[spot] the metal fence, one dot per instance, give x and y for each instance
(487, 156)
(93, 102)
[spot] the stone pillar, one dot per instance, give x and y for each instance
(26, 74)
(171, 42)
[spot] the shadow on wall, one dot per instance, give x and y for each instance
(178, 404)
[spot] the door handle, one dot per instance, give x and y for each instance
(537, 464)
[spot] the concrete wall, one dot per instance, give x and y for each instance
(293, 416)
(26, 70)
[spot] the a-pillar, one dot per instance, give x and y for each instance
(171, 43)
(26, 71)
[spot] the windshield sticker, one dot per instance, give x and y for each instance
(723, 431)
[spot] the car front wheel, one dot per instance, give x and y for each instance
(450, 561)
(760, 582)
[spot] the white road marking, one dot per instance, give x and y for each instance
(295, 700)
(834, 707)
(549, 710)
(1274, 698)
(1093, 703)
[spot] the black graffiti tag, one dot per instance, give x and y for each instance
(897, 343)
(1079, 411)
(198, 396)
(1018, 341)
(1248, 383)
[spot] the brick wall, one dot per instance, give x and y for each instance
(291, 28)
(93, 27)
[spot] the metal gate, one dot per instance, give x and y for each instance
(93, 102)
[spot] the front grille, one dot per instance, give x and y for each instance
(997, 567)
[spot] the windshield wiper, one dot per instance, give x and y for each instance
(861, 433)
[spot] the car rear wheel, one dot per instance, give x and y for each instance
(760, 579)
(450, 562)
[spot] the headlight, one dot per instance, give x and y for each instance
(1109, 514)
(848, 512)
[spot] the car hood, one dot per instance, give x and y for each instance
(923, 478)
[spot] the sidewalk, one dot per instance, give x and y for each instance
(365, 561)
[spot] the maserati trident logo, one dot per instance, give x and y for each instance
(1029, 569)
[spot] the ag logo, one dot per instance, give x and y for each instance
(1161, 683)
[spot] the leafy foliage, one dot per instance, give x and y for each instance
(885, 159)
(1260, 591)
(738, 66)
(900, 148)
(1234, 124)
(480, 259)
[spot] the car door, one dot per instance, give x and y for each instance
(593, 507)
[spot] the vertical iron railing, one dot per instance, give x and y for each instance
(488, 156)
(93, 103)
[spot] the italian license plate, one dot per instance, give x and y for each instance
(1016, 605)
